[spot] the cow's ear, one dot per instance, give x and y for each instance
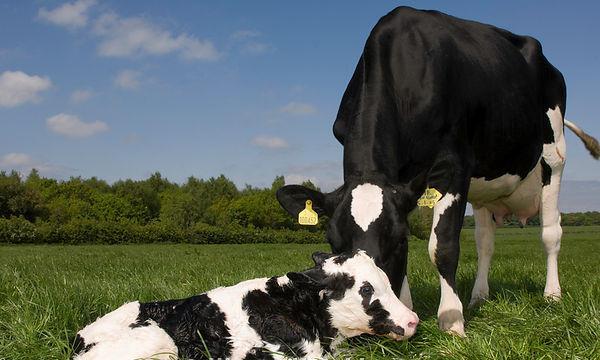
(293, 199)
(312, 278)
(319, 257)
(417, 185)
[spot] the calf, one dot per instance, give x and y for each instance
(303, 314)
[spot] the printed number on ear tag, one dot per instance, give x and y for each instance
(308, 216)
(429, 198)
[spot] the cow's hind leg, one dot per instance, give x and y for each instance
(554, 155)
(444, 249)
(485, 228)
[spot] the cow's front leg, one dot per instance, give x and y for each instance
(444, 248)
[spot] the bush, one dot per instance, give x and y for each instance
(86, 231)
(17, 230)
(420, 221)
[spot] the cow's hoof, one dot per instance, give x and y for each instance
(476, 301)
(452, 322)
(554, 295)
(456, 329)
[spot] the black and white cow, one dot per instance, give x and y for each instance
(469, 109)
(302, 314)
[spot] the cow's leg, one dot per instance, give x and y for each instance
(485, 228)
(405, 293)
(554, 155)
(444, 248)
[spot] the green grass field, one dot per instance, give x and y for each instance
(47, 293)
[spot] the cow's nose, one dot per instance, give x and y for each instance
(411, 325)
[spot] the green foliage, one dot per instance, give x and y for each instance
(420, 221)
(84, 231)
(81, 210)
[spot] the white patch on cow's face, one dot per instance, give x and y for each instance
(115, 339)
(229, 299)
(348, 314)
(367, 204)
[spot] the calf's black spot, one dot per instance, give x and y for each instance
(192, 323)
(380, 322)
(79, 345)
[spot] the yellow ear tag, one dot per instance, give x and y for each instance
(308, 216)
(429, 198)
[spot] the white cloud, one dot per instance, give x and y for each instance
(17, 88)
(15, 160)
(327, 175)
(23, 163)
(134, 36)
(270, 142)
(71, 15)
(255, 48)
(245, 34)
(128, 79)
(82, 95)
(72, 126)
(298, 109)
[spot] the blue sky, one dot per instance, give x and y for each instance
(249, 89)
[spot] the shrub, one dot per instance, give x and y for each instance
(86, 231)
(17, 230)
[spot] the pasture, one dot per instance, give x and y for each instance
(47, 293)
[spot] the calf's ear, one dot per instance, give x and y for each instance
(293, 199)
(309, 278)
(319, 257)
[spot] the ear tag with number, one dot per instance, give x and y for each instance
(429, 198)
(308, 216)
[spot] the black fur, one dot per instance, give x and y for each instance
(191, 323)
(79, 345)
(546, 172)
(289, 314)
(380, 322)
(434, 100)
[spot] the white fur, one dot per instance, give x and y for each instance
(405, 294)
(485, 228)
(115, 340)
(450, 310)
(524, 198)
(367, 204)
(312, 349)
(229, 300)
(555, 155)
(283, 280)
(348, 314)
(438, 210)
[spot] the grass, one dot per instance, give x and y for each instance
(47, 293)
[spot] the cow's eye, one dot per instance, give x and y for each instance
(366, 290)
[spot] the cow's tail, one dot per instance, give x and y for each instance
(589, 141)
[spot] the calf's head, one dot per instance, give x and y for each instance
(358, 296)
(369, 215)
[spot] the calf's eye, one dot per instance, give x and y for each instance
(366, 290)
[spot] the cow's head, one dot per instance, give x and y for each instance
(369, 215)
(358, 295)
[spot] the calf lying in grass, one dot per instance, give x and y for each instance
(303, 314)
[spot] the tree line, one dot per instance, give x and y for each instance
(38, 209)
(215, 201)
